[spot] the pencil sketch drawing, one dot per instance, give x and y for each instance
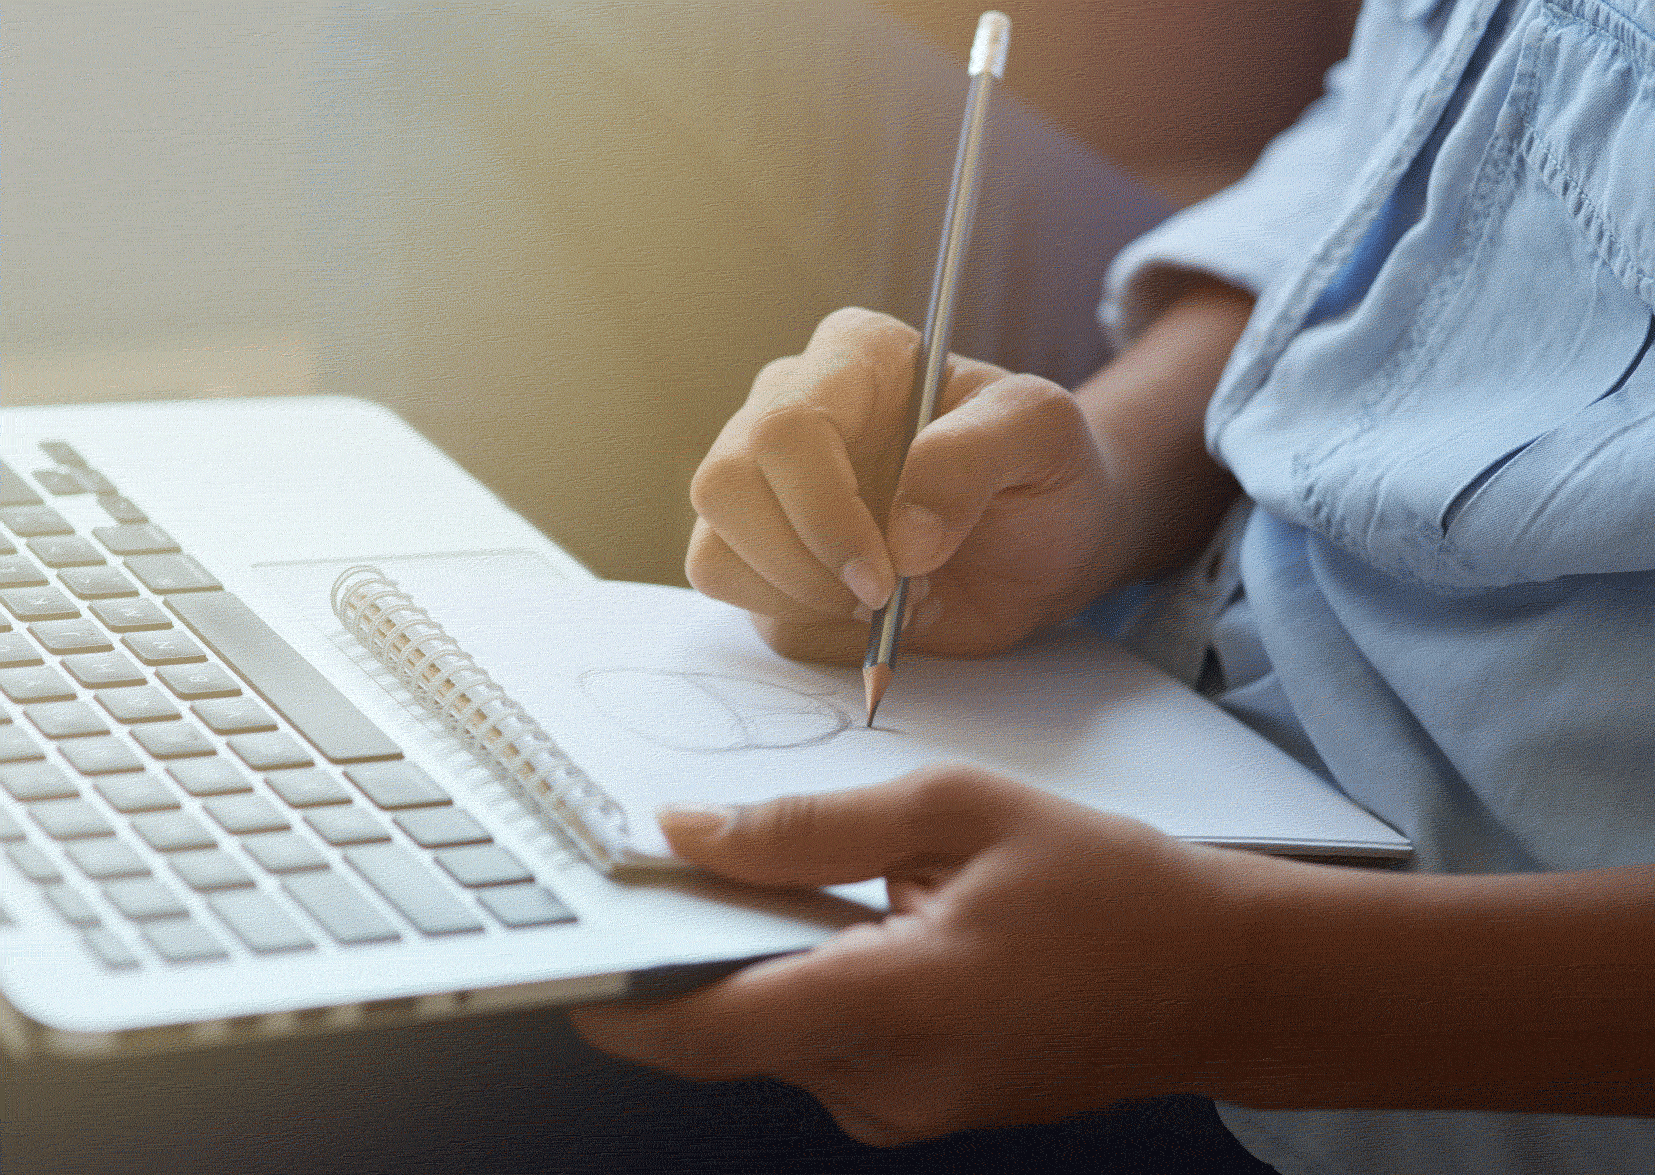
(692, 711)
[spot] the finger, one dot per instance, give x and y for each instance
(803, 458)
(733, 497)
(715, 570)
(811, 1019)
(934, 816)
(1017, 432)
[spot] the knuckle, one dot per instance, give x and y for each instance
(714, 479)
(783, 427)
(776, 377)
(788, 821)
(1038, 402)
(947, 788)
(710, 566)
(852, 332)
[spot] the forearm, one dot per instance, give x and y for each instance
(1528, 993)
(1146, 411)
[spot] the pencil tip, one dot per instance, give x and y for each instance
(874, 680)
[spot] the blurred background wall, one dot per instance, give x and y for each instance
(561, 237)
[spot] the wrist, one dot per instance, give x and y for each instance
(1147, 410)
(1366, 988)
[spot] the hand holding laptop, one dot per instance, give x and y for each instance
(1041, 959)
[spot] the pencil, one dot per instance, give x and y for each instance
(987, 66)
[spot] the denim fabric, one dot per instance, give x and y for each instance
(1444, 408)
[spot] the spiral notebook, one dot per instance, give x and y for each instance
(601, 702)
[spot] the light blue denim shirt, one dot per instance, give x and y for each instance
(1444, 408)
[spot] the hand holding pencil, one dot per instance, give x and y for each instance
(813, 504)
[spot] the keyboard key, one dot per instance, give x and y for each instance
(106, 858)
(14, 491)
(94, 481)
(167, 647)
(71, 905)
(397, 785)
(171, 832)
(525, 905)
(41, 684)
(233, 715)
(135, 540)
(406, 882)
(270, 752)
(346, 826)
(33, 863)
(136, 792)
(259, 922)
(97, 583)
(59, 482)
(347, 916)
(18, 571)
(131, 615)
(71, 636)
(100, 756)
(111, 951)
(66, 719)
(210, 777)
(141, 899)
(139, 703)
(38, 603)
(182, 940)
(65, 551)
(103, 670)
(28, 521)
(307, 787)
(198, 681)
(440, 828)
(209, 869)
(163, 574)
(283, 852)
(239, 814)
(9, 828)
(172, 740)
(70, 819)
(121, 509)
(16, 746)
(36, 781)
(18, 651)
(484, 865)
(64, 454)
(291, 685)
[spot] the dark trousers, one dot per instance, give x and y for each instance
(514, 1095)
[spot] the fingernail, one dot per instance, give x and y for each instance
(695, 823)
(916, 536)
(868, 580)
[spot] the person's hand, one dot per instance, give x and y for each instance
(1039, 959)
(1004, 507)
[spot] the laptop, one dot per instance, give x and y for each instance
(215, 822)
(221, 821)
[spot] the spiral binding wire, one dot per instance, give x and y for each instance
(404, 638)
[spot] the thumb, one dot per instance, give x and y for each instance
(935, 817)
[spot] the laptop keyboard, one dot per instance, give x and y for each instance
(184, 786)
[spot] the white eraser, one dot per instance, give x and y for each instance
(988, 48)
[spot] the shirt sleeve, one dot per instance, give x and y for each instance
(1249, 233)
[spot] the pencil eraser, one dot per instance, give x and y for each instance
(988, 48)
